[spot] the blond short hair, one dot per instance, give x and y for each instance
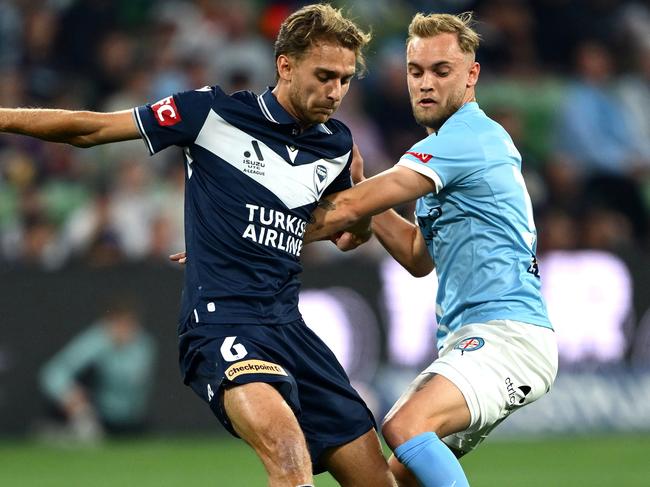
(433, 24)
(316, 23)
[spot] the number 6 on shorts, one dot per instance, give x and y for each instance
(232, 351)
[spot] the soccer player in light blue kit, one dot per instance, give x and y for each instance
(497, 349)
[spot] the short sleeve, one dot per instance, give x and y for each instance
(446, 157)
(175, 120)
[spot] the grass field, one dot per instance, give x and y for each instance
(593, 462)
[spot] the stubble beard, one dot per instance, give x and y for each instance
(435, 120)
(301, 107)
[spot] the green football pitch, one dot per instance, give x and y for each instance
(593, 462)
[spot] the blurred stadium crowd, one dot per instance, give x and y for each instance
(570, 81)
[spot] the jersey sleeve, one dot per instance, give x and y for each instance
(175, 120)
(445, 158)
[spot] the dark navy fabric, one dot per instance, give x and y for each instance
(252, 180)
(294, 360)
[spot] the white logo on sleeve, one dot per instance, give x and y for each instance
(320, 178)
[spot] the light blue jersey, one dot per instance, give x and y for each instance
(478, 226)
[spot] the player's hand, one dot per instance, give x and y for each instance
(180, 257)
(356, 168)
(349, 241)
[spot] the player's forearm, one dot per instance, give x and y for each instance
(328, 218)
(51, 125)
(79, 128)
(393, 187)
(403, 241)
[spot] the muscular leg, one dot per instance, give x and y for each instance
(359, 463)
(431, 409)
(432, 403)
(265, 421)
(403, 475)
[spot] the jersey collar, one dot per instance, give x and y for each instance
(272, 109)
(469, 106)
(274, 112)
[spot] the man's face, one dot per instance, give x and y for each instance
(318, 81)
(440, 77)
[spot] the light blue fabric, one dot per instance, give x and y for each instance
(478, 226)
(433, 464)
(123, 374)
(593, 131)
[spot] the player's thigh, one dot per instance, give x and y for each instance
(231, 356)
(261, 417)
(359, 463)
(432, 403)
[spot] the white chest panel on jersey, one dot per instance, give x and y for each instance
(295, 186)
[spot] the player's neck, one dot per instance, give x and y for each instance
(470, 96)
(281, 93)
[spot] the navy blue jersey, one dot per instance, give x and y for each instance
(252, 180)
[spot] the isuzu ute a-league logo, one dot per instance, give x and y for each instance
(320, 178)
(253, 166)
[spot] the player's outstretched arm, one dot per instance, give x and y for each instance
(78, 128)
(370, 197)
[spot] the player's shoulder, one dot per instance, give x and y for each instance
(468, 119)
(238, 108)
(456, 141)
(243, 96)
(220, 97)
(471, 128)
(337, 135)
(473, 120)
(337, 127)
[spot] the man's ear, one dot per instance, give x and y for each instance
(284, 65)
(474, 71)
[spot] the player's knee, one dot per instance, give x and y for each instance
(398, 429)
(401, 426)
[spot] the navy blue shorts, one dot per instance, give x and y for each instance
(293, 359)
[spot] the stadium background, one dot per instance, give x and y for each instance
(570, 80)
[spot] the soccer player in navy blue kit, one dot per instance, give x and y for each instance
(256, 167)
(497, 349)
